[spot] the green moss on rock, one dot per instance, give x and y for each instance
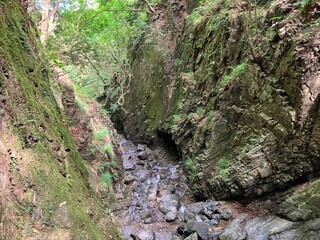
(54, 165)
(247, 73)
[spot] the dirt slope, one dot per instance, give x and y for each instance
(45, 192)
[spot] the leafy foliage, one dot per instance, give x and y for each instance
(101, 133)
(222, 167)
(107, 172)
(91, 39)
(106, 178)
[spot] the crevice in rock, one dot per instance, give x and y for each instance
(165, 141)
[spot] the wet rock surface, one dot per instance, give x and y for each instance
(155, 205)
(270, 227)
(154, 189)
(158, 204)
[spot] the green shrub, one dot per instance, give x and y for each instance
(190, 165)
(108, 148)
(222, 167)
(82, 106)
(106, 179)
(101, 134)
(106, 166)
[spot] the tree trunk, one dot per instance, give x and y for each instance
(47, 19)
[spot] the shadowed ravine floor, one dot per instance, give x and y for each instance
(154, 204)
(155, 187)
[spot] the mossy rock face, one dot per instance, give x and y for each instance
(303, 204)
(238, 91)
(47, 177)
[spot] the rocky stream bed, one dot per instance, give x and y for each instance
(155, 204)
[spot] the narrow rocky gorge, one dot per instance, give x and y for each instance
(220, 130)
(236, 89)
(155, 189)
(155, 204)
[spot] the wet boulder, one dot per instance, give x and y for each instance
(169, 203)
(201, 228)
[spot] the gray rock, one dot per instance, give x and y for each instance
(200, 209)
(201, 228)
(141, 163)
(211, 205)
(225, 215)
(142, 155)
(128, 165)
(168, 202)
(195, 208)
(171, 216)
(270, 227)
(215, 235)
(234, 230)
(143, 175)
(266, 227)
(129, 178)
(152, 164)
(145, 214)
(208, 213)
(141, 147)
(215, 220)
(175, 237)
(171, 188)
(193, 236)
(143, 234)
(209, 208)
(185, 215)
(148, 220)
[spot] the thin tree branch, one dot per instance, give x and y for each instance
(55, 9)
(94, 67)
